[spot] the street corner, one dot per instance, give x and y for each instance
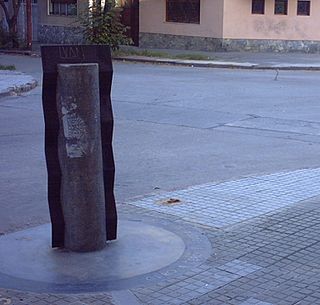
(14, 82)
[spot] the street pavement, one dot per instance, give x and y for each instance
(233, 154)
(16, 82)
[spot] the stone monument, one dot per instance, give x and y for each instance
(78, 145)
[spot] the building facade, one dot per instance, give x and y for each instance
(261, 25)
(58, 21)
(211, 25)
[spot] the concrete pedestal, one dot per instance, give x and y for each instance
(80, 157)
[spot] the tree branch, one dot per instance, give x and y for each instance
(5, 10)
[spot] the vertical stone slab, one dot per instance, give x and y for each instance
(80, 157)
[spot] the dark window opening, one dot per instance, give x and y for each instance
(184, 11)
(303, 8)
(63, 7)
(281, 7)
(257, 7)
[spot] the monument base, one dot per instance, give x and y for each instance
(144, 253)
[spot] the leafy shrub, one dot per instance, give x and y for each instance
(5, 67)
(102, 25)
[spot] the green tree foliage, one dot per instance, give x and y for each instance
(102, 25)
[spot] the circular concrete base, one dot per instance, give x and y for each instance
(27, 262)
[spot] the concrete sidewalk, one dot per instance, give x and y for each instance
(238, 60)
(232, 60)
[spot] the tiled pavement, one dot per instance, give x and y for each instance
(265, 235)
(23, 298)
(222, 204)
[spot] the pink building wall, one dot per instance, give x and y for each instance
(239, 23)
(229, 24)
(153, 19)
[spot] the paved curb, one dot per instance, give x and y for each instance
(219, 64)
(16, 52)
(20, 52)
(193, 63)
(19, 88)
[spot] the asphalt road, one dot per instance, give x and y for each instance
(174, 127)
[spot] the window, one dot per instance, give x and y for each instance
(257, 7)
(184, 11)
(63, 7)
(303, 8)
(281, 7)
